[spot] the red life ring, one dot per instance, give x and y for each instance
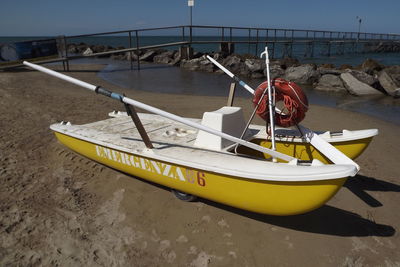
(294, 100)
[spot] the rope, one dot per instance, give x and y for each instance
(293, 99)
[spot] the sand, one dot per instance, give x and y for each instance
(59, 208)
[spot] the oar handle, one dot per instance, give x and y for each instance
(61, 76)
(96, 89)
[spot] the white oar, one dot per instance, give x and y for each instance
(230, 74)
(323, 146)
(327, 149)
(160, 112)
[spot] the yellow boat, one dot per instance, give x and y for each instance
(178, 161)
(206, 158)
(291, 142)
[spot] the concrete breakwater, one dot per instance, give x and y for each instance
(368, 78)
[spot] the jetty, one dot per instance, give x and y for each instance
(250, 40)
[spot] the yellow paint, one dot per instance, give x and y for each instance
(275, 198)
(305, 151)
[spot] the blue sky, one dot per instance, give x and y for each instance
(57, 17)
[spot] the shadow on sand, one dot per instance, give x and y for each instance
(326, 220)
(329, 220)
(358, 184)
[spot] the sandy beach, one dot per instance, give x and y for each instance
(61, 209)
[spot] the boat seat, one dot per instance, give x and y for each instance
(228, 120)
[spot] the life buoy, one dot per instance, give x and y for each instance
(294, 100)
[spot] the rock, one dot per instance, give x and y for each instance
(148, 55)
(234, 63)
(218, 56)
(370, 66)
(327, 66)
(322, 70)
(98, 48)
(176, 60)
(291, 62)
(356, 87)
(364, 77)
(197, 54)
(104, 49)
(72, 49)
(394, 72)
(201, 64)
(386, 47)
(248, 56)
(257, 75)
(387, 83)
(303, 74)
(119, 55)
(286, 62)
(330, 82)
(165, 57)
(255, 65)
(275, 71)
(81, 47)
(189, 64)
(206, 65)
(87, 52)
(131, 56)
(393, 69)
(396, 93)
(345, 66)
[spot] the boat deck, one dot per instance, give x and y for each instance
(121, 131)
(174, 142)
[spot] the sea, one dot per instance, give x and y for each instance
(173, 80)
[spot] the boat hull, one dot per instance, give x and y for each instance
(267, 197)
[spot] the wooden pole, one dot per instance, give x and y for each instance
(137, 49)
(139, 126)
(231, 94)
(130, 53)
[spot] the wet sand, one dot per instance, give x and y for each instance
(58, 208)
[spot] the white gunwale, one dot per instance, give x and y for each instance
(223, 162)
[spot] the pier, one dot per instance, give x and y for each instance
(281, 42)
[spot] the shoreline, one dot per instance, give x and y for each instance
(368, 78)
(60, 208)
(175, 81)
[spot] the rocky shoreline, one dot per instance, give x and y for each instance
(369, 78)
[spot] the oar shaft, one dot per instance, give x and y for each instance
(160, 112)
(230, 74)
(233, 76)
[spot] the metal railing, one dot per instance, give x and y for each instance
(252, 37)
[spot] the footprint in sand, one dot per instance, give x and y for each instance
(222, 223)
(182, 239)
(206, 218)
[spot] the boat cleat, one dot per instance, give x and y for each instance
(67, 123)
(117, 114)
